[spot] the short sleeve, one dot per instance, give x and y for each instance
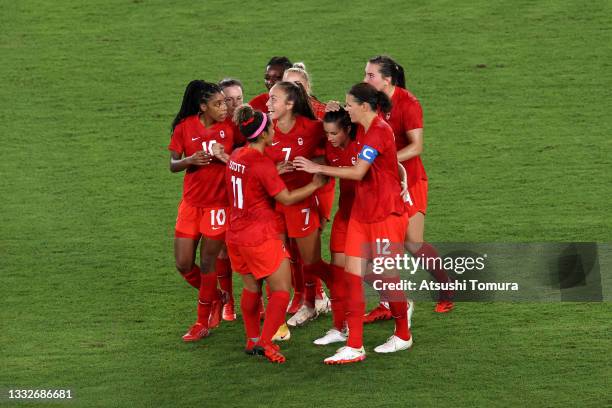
(270, 180)
(176, 142)
(413, 116)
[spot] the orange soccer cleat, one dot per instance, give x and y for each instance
(381, 312)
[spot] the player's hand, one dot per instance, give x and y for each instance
(285, 167)
(218, 150)
(320, 180)
(332, 106)
(200, 158)
(303, 164)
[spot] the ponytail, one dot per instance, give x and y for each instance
(297, 94)
(250, 122)
(366, 93)
(390, 69)
(197, 92)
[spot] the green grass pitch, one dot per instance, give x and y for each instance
(517, 146)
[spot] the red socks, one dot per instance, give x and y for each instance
(399, 311)
(249, 304)
(428, 251)
(318, 269)
(224, 275)
(208, 293)
(355, 308)
(275, 315)
(338, 296)
(193, 277)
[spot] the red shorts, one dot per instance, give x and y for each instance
(418, 195)
(378, 239)
(337, 240)
(260, 261)
(192, 222)
(301, 219)
(325, 199)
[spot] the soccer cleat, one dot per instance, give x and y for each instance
(296, 303)
(410, 312)
(270, 351)
(381, 312)
(282, 334)
(229, 314)
(323, 305)
(394, 344)
(303, 316)
(332, 336)
(249, 347)
(444, 306)
(346, 355)
(196, 332)
(216, 310)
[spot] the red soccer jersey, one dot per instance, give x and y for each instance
(252, 182)
(203, 186)
(259, 102)
(239, 139)
(303, 139)
(338, 157)
(317, 107)
(406, 114)
(378, 194)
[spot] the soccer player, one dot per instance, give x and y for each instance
(199, 124)
(406, 120)
(378, 216)
(274, 73)
(254, 239)
(298, 133)
(232, 90)
(340, 151)
(324, 198)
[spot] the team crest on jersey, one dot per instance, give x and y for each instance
(222, 134)
(388, 116)
(300, 141)
(354, 160)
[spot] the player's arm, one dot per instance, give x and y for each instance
(403, 180)
(180, 163)
(356, 172)
(414, 147)
(287, 197)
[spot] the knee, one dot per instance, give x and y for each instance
(183, 266)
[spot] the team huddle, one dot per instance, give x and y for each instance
(259, 188)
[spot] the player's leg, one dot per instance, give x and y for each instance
(249, 305)
(224, 276)
(313, 266)
(354, 309)
(184, 255)
(210, 304)
(416, 245)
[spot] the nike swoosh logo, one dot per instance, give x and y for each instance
(193, 139)
(305, 228)
(215, 228)
(275, 143)
(335, 160)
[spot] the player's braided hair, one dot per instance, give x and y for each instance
(197, 92)
(366, 93)
(390, 69)
(298, 95)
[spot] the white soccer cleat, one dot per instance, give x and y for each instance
(332, 336)
(410, 312)
(303, 316)
(346, 355)
(394, 344)
(323, 305)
